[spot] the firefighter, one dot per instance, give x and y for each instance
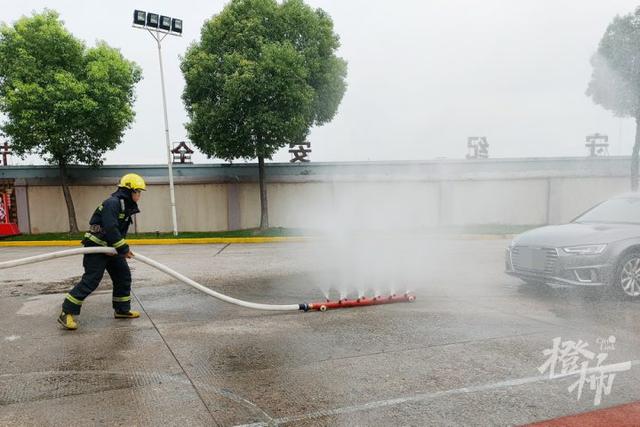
(108, 227)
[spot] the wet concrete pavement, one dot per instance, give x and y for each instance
(466, 352)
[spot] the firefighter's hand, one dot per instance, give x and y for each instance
(128, 255)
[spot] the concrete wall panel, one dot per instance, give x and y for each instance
(301, 205)
(384, 201)
(48, 210)
(385, 205)
(572, 196)
(516, 202)
(200, 207)
(249, 201)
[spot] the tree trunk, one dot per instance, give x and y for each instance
(264, 208)
(71, 211)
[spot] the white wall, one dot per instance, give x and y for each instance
(380, 204)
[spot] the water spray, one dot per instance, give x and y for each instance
(320, 306)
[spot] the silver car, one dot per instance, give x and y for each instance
(599, 248)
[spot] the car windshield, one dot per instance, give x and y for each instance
(624, 210)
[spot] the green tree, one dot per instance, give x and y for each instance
(615, 81)
(261, 75)
(61, 100)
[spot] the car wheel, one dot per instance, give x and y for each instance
(627, 278)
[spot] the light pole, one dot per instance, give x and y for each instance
(159, 27)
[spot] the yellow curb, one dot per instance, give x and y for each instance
(178, 241)
(225, 240)
(214, 240)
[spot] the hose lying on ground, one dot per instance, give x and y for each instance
(158, 266)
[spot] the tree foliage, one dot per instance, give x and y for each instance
(262, 74)
(615, 81)
(63, 101)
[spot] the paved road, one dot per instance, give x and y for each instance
(466, 352)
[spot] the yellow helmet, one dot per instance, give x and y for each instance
(133, 181)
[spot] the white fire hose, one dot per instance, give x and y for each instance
(158, 266)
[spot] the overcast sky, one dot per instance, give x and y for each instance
(423, 75)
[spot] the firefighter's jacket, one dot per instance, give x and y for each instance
(110, 222)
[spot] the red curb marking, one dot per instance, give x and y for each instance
(623, 416)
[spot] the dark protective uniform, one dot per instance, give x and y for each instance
(108, 227)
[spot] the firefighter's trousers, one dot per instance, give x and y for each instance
(94, 268)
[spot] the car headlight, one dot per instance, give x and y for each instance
(585, 250)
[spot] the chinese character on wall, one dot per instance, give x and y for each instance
(182, 153)
(478, 147)
(598, 145)
(300, 152)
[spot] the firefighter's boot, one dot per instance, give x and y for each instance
(67, 321)
(131, 314)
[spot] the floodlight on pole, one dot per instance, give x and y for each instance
(139, 17)
(152, 20)
(165, 23)
(176, 25)
(160, 26)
